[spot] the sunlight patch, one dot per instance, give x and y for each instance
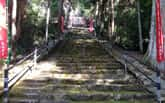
(104, 81)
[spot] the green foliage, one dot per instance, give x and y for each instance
(33, 26)
(127, 23)
(54, 8)
(146, 19)
(127, 28)
(85, 6)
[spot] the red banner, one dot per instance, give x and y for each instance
(159, 34)
(91, 29)
(3, 31)
(62, 24)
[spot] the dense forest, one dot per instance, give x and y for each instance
(118, 23)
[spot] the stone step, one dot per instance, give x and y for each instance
(99, 67)
(83, 75)
(85, 95)
(85, 71)
(100, 88)
(113, 87)
(81, 71)
(86, 61)
(23, 100)
(78, 81)
(117, 101)
(110, 96)
(88, 64)
(26, 89)
(33, 82)
(31, 95)
(84, 58)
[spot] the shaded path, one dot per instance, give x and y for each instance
(80, 71)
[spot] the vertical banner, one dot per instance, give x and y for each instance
(62, 24)
(91, 25)
(3, 31)
(159, 33)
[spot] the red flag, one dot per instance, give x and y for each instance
(159, 34)
(62, 23)
(3, 31)
(91, 29)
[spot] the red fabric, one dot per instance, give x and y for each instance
(62, 23)
(3, 43)
(159, 34)
(3, 31)
(91, 29)
(2, 3)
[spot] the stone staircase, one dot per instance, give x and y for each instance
(80, 71)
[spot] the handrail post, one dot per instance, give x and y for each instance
(125, 65)
(158, 86)
(35, 58)
(6, 86)
(6, 69)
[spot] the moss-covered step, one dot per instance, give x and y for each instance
(85, 71)
(81, 72)
(88, 64)
(83, 75)
(116, 101)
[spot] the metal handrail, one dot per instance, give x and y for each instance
(21, 61)
(20, 74)
(24, 59)
(139, 70)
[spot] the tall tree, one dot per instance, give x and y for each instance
(140, 27)
(47, 19)
(113, 18)
(67, 7)
(13, 26)
(17, 11)
(60, 12)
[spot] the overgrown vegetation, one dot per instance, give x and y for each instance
(126, 32)
(33, 27)
(126, 26)
(125, 20)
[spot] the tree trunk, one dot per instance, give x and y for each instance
(140, 28)
(109, 20)
(20, 15)
(13, 26)
(113, 18)
(14, 15)
(60, 13)
(151, 52)
(17, 11)
(47, 20)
